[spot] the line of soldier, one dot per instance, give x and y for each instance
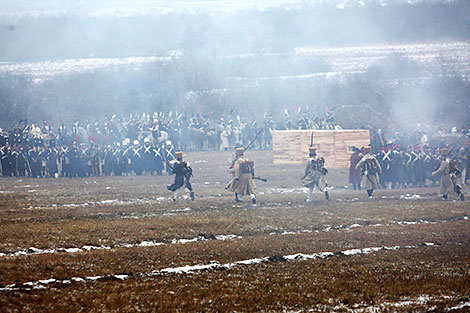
(403, 168)
(50, 160)
(375, 170)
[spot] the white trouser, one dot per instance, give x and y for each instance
(177, 191)
(310, 194)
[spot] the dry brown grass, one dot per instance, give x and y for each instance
(336, 284)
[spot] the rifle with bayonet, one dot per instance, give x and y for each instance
(254, 139)
(248, 146)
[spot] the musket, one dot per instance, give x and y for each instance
(455, 149)
(248, 146)
(259, 178)
(254, 139)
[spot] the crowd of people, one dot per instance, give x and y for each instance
(144, 144)
(135, 144)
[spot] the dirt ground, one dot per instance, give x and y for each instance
(107, 244)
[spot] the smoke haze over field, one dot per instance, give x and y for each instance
(124, 56)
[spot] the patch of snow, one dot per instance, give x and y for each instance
(410, 197)
(73, 250)
(181, 210)
(459, 307)
(251, 261)
(77, 279)
(352, 251)
(227, 237)
(107, 201)
(121, 277)
(149, 244)
(188, 269)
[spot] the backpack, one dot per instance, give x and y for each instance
(247, 166)
(454, 167)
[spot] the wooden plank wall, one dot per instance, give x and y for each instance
(291, 146)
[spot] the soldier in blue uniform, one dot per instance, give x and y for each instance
(183, 173)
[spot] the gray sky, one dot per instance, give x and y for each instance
(112, 7)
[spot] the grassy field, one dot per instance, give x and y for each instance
(106, 244)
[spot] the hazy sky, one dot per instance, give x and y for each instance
(111, 7)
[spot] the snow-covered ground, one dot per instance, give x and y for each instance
(437, 59)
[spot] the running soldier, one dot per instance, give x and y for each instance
(183, 173)
(370, 170)
(242, 182)
(449, 176)
(354, 174)
(314, 174)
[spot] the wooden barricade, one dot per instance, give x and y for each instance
(291, 146)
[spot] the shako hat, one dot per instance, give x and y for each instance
(367, 149)
(179, 155)
(312, 149)
(239, 150)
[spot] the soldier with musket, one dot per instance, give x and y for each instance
(449, 176)
(183, 173)
(242, 183)
(314, 174)
(370, 170)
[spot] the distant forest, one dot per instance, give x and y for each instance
(275, 29)
(389, 93)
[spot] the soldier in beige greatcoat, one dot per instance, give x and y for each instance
(449, 181)
(314, 174)
(242, 183)
(370, 170)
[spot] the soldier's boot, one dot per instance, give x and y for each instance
(444, 197)
(369, 193)
(253, 199)
(327, 195)
(236, 198)
(191, 195)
